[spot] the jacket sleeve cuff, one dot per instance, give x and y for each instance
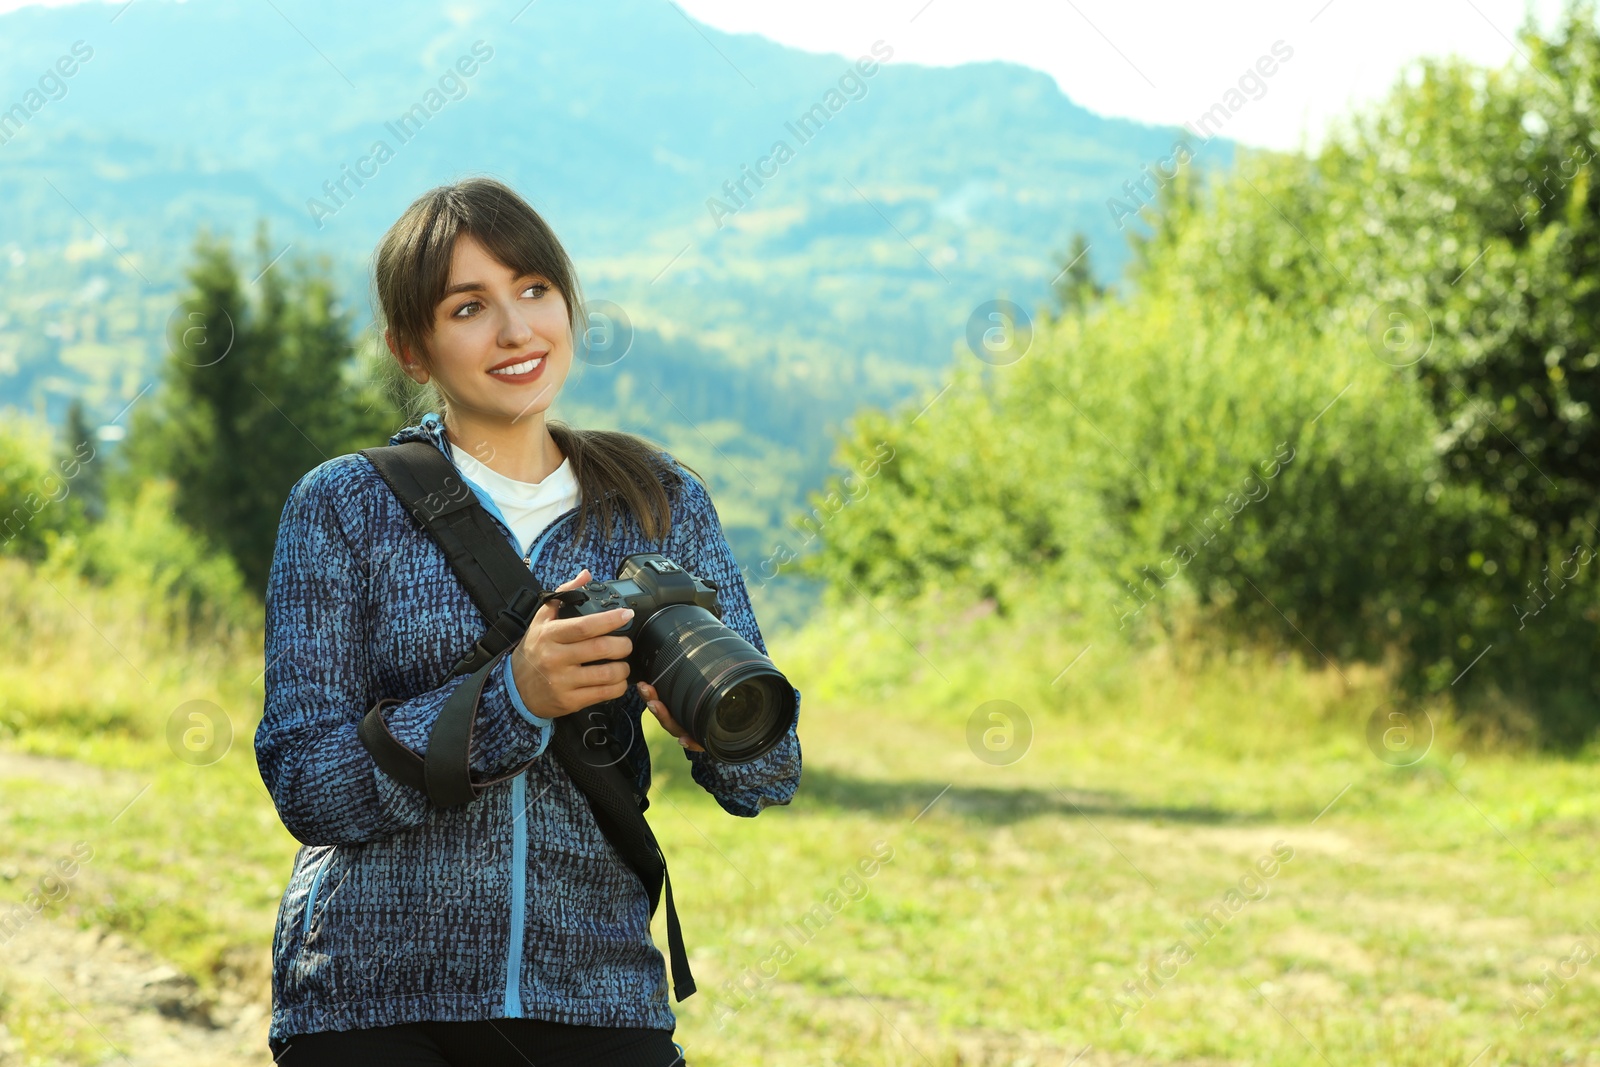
(745, 789)
(502, 738)
(504, 678)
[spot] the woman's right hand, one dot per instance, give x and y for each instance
(547, 665)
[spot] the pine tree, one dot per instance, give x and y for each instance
(82, 455)
(257, 390)
(1075, 286)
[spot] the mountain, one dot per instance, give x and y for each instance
(902, 198)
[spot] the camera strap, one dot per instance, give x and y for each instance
(507, 593)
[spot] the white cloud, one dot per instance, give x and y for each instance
(1162, 61)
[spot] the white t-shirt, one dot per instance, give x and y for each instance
(528, 507)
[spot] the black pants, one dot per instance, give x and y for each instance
(486, 1043)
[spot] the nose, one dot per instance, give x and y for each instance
(514, 329)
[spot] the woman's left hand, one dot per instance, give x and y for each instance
(664, 717)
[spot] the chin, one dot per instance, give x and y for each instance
(515, 412)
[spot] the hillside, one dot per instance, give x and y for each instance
(845, 278)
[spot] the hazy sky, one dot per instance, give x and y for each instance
(1165, 61)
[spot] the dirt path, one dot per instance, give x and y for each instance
(64, 772)
(144, 1009)
(149, 1012)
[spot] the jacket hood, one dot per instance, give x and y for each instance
(429, 428)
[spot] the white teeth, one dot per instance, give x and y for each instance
(519, 368)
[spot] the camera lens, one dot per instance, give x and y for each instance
(752, 713)
(740, 709)
(721, 689)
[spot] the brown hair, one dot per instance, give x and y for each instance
(411, 268)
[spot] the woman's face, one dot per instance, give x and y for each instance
(502, 345)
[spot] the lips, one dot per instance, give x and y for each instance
(519, 368)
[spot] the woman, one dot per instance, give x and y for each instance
(506, 930)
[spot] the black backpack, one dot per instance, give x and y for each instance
(507, 593)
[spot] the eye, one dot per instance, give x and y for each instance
(541, 287)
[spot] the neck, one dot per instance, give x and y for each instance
(522, 450)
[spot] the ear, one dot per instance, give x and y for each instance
(412, 368)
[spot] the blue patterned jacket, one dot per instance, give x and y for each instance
(512, 906)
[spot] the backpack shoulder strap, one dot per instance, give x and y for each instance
(426, 482)
(504, 590)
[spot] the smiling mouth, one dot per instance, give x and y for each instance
(524, 367)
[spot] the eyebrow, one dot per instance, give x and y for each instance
(469, 287)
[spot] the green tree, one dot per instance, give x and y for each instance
(1075, 286)
(33, 491)
(82, 455)
(261, 384)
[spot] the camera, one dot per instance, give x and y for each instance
(721, 689)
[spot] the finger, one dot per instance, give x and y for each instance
(550, 609)
(659, 710)
(595, 694)
(576, 580)
(609, 646)
(561, 656)
(598, 674)
(668, 723)
(584, 627)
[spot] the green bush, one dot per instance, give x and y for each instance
(37, 502)
(1153, 458)
(141, 546)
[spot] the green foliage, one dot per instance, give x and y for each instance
(1075, 286)
(1469, 196)
(1152, 454)
(141, 545)
(1410, 316)
(260, 385)
(79, 451)
(37, 502)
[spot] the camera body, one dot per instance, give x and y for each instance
(722, 690)
(647, 582)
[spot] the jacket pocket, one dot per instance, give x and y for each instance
(314, 893)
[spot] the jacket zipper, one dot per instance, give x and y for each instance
(512, 1005)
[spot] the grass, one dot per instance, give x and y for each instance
(1017, 901)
